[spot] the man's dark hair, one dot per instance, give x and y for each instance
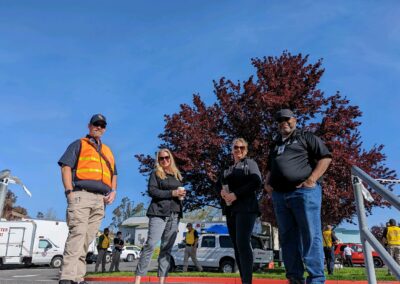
(392, 222)
(119, 233)
(106, 230)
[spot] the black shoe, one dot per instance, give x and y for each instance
(66, 282)
(83, 282)
(117, 270)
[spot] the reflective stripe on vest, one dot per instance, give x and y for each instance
(327, 238)
(91, 166)
(393, 236)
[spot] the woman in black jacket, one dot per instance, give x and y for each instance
(165, 210)
(239, 186)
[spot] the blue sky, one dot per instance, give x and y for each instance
(134, 61)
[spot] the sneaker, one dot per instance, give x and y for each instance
(66, 282)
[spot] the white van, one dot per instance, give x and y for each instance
(32, 242)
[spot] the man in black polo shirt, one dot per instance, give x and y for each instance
(297, 160)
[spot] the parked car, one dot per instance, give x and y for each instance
(215, 251)
(130, 253)
(358, 254)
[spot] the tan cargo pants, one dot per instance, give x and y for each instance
(84, 215)
(190, 251)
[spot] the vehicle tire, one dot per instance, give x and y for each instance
(56, 262)
(378, 263)
(108, 257)
(172, 266)
(227, 266)
(130, 258)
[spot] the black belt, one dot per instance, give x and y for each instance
(189, 245)
(86, 190)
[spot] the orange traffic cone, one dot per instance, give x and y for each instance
(271, 265)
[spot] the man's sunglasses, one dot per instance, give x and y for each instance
(99, 124)
(163, 158)
(283, 119)
(242, 148)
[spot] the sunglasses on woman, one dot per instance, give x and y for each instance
(242, 148)
(162, 158)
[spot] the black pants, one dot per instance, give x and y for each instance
(240, 227)
(349, 260)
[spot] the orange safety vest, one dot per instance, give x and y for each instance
(393, 236)
(92, 166)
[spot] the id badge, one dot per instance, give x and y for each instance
(281, 149)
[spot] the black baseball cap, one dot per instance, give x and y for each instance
(97, 118)
(284, 113)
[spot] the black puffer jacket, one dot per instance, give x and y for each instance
(162, 201)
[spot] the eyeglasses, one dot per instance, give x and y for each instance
(99, 124)
(242, 148)
(283, 119)
(163, 158)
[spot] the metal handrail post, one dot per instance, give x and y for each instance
(369, 263)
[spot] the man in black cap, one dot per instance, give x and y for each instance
(191, 239)
(297, 161)
(89, 176)
(391, 236)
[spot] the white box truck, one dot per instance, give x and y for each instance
(32, 242)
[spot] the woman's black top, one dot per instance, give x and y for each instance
(244, 179)
(162, 201)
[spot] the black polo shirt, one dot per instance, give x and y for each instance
(292, 161)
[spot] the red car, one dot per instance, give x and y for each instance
(358, 254)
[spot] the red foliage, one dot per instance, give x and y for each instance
(200, 136)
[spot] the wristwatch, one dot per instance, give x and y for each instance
(67, 192)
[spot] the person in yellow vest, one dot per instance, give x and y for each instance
(391, 235)
(102, 246)
(89, 176)
(191, 240)
(329, 240)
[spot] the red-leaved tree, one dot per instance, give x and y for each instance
(200, 136)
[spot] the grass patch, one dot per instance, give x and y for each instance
(355, 273)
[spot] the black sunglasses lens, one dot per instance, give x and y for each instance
(102, 125)
(283, 119)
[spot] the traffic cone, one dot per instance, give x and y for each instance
(271, 265)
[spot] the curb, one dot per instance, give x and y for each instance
(230, 280)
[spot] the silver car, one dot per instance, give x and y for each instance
(215, 251)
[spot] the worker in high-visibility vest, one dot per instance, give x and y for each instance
(391, 235)
(329, 240)
(89, 176)
(102, 247)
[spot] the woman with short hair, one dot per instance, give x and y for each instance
(239, 186)
(164, 213)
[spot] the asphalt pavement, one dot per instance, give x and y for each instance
(42, 274)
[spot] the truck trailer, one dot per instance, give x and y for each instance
(32, 241)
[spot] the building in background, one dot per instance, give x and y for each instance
(348, 236)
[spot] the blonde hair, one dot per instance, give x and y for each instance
(160, 171)
(241, 140)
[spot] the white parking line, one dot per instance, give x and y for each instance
(21, 276)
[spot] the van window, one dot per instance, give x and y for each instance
(256, 243)
(44, 244)
(208, 242)
(225, 242)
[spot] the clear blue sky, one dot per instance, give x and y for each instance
(134, 61)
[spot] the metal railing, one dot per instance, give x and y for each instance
(367, 238)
